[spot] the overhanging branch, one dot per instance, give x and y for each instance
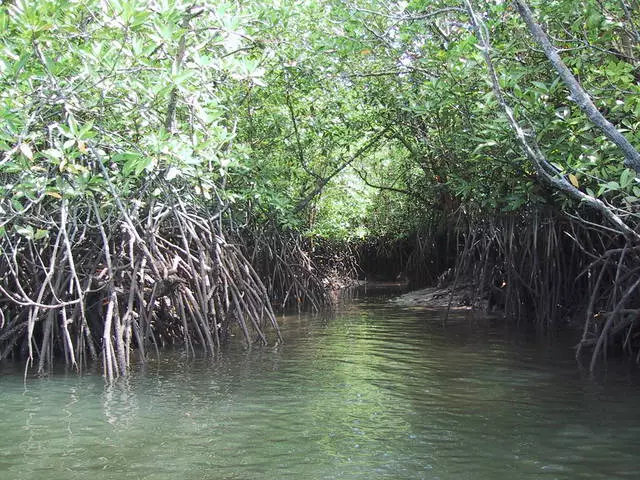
(322, 182)
(544, 169)
(578, 94)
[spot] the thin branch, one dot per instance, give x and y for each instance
(578, 94)
(302, 204)
(545, 171)
(420, 16)
(296, 131)
(177, 65)
(363, 177)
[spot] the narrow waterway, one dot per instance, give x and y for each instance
(376, 392)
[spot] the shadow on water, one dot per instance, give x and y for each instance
(375, 392)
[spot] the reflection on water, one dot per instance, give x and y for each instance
(378, 392)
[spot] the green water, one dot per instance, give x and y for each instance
(377, 392)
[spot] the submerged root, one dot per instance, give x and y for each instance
(551, 270)
(103, 282)
(611, 319)
(293, 279)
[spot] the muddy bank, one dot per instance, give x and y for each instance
(460, 298)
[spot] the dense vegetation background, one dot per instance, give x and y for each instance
(171, 169)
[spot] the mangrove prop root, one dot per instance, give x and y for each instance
(292, 279)
(553, 270)
(103, 283)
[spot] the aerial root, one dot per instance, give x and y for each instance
(102, 284)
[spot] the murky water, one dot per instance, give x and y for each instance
(378, 392)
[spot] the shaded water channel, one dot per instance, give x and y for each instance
(378, 392)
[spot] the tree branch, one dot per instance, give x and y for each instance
(299, 149)
(182, 49)
(545, 171)
(578, 94)
(365, 179)
(302, 204)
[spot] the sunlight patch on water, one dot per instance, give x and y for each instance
(378, 392)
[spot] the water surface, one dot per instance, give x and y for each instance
(377, 392)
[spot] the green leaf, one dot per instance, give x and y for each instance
(40, 234)
(53, 153)
(542, 86)
(85, 132)
(73, 125)
(482, 146)
(626, 178)
(26, 231)
(16, 204)
(136, 165)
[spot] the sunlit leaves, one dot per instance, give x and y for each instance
(100, 85)
(26, 150)
(107, 70)
(132, 162)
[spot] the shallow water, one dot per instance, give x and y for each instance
(377, 392)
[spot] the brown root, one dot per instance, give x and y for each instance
(108, 280)
(293, 278)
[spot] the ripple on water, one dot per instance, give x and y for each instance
(377, 392)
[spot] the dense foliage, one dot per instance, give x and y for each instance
(136, 136)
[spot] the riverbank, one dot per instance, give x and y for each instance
(460, 298)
